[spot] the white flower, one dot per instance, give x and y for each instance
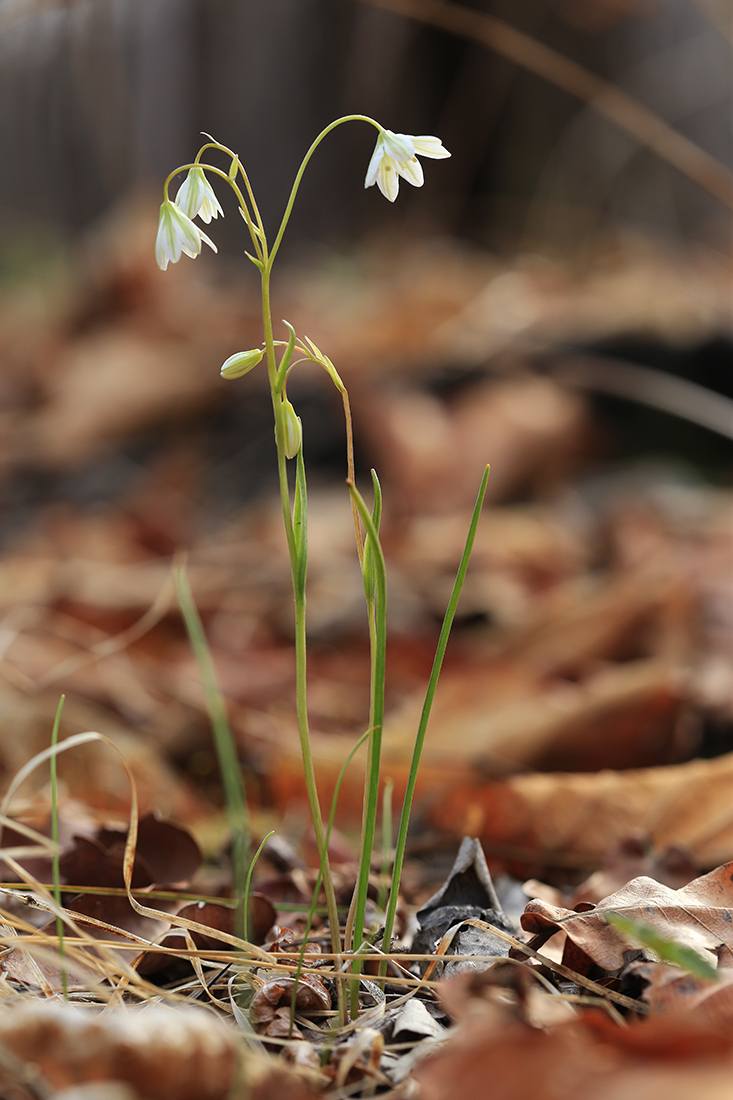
(196, 196)
(395, 155)
(241, 363)
(177, 234)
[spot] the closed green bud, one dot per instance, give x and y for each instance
(293, 430)
(234, 168)
(241, 363)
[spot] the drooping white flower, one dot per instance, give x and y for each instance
(241, 363)
(177, 234)
(396, 155)
(196, 196)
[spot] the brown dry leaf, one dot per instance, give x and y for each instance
(674, 296)
(270, 1007)
(220, 917)
(166, 854)
(700, 915)
(168, 849)
(261, 919)
(442, 303)
(580, 818)
(42, 968)
(670, 990)
(162, 1053)
(433, 453)
(489, 1059)
(125, 348)
(91, 774)
(633, 858)
(39, 965)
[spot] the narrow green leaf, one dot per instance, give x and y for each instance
(282, 369)
(425, 716)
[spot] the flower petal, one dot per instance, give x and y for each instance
(387, 179)
(188, 236)
(398, 146)
(206, 240)
(426, 146)
(190, 194)
(411, 170)
(374, 163)
(177, 234)
(210, 206)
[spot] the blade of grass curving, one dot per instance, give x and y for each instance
(425, 716)
(250, 869)
(55, 838)
(231, 775)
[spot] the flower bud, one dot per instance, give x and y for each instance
(241, 363)
(233, 168)
(293, 430)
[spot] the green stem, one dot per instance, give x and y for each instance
(319, 880)
(212, 144)
(255, 234)
(425, 716)
(297, 568)
(386, 842)
(378, 636)
(304, 165)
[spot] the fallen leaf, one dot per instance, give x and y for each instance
(538, 818)
(700, 916)
(162, 1053)
(270, 1007)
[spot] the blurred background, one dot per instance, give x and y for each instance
(556, 300)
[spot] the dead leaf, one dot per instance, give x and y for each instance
(162, 1053)
(490, 1059)
(270, 1007)
(536, 818)
(700, 915)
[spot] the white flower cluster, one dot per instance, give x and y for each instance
(394, 155)
(177, 231)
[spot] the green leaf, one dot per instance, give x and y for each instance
(282, 369)
(258, 263)
(369, 574)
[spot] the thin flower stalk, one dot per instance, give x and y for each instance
(375, 581)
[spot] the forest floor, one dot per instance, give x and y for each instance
(579, 759)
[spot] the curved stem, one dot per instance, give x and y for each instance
(300, 635)
(304, 165)
(257, 235)
(212, 144)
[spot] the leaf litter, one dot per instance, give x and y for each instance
(560, 773)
